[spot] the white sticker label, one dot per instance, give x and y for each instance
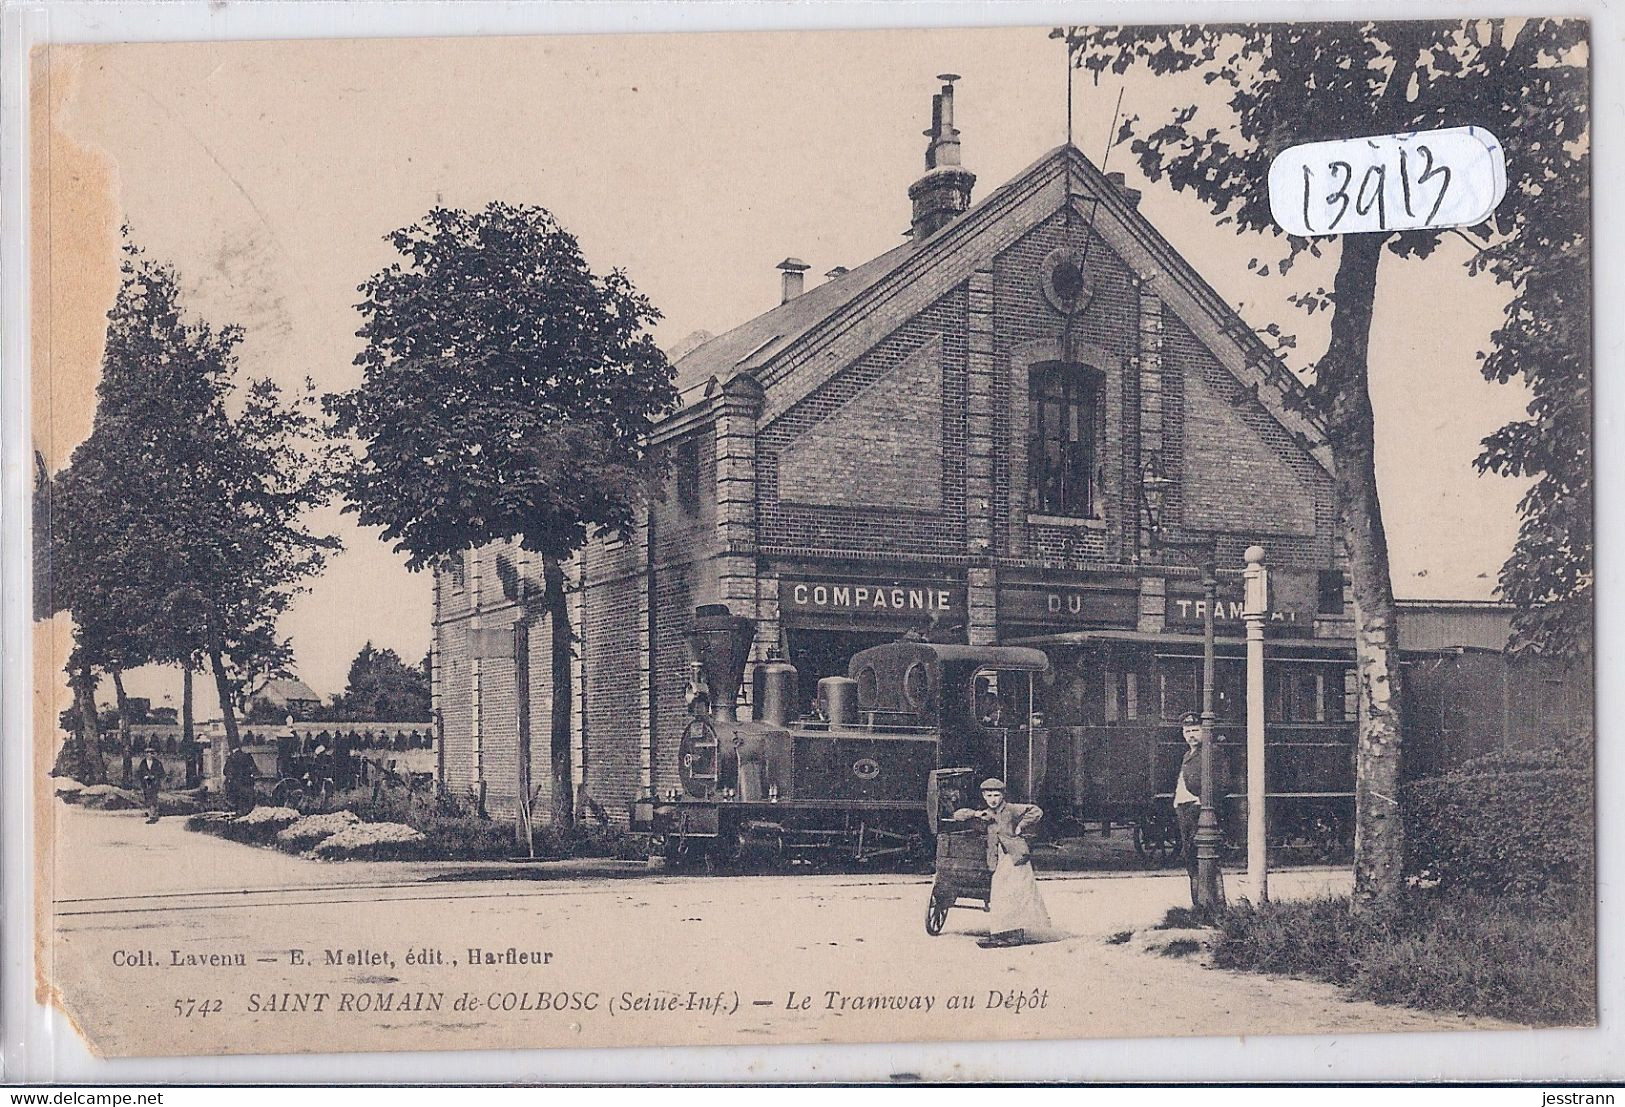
(1425, 179)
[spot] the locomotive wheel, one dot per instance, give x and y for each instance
(723, 853)
(758, 855)
(936, 914)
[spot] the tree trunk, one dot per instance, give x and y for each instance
(222, 687)
(90, 730)
(523, 815)
(558, 619)
(1343, 381)
(124, 726)
(186, 702)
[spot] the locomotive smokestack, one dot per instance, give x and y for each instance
(720, 644)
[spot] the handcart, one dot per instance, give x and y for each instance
(962, 872)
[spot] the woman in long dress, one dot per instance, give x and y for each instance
(1016, 910)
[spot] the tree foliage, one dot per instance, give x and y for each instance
(506, 388)
(1524, 80)
(506, 393)
(1284, 84)
(177, 530)
(382, 687)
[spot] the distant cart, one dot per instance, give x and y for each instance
(308, 781)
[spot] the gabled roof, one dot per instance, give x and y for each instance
(861, 306)
(284, 690)
(754, 342)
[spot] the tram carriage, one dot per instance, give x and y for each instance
(856, 780)
(1114, 744)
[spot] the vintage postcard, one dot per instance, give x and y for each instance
(828, 537)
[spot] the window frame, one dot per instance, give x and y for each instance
(1065, 417)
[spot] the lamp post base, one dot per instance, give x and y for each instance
(1209, 874)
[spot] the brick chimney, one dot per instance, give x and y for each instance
(794, 270)
(944, 192)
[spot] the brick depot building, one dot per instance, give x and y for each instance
(949, 439)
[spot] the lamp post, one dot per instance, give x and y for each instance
(1201, 552)
(1254, 611)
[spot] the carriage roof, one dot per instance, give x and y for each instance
(1021, 658)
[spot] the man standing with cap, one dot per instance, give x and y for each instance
(1188, 794)
(1015, 909)
(150, 774)
(239, 771)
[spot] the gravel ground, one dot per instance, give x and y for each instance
(654, 960)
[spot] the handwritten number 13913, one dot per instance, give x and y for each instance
(1374, 188)
(1446, 178)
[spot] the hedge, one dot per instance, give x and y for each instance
(1520, 823)
(1530, 963)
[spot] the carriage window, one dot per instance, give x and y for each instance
(1180, 686)
(999, 699)
(868, 688)
(1181, 689)
(1330, 592)
(916, 681)
(1062, 431)
(1122, 700)
(1303, 694)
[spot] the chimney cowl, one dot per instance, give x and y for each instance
(794, 270)
(944, 191)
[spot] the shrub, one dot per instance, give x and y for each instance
(306, 832)
(374, 840)
(72, 760)
(1519, 823)
(453, 831)
(108, 797)
(1466, 953)
(209, 822)
(259, 826)
(445, 830)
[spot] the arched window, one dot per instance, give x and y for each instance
(1063, 441)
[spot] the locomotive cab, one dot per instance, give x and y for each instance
(978, 700)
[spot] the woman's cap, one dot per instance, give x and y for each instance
(992, 784)
(1190, 718)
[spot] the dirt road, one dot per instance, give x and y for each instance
(175, 943)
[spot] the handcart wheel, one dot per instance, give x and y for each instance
(936, 914)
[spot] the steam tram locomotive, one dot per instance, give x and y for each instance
(851, 781)
(906, 734)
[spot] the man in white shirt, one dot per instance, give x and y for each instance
(1188, 793)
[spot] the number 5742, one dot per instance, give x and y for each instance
(198, 1008)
